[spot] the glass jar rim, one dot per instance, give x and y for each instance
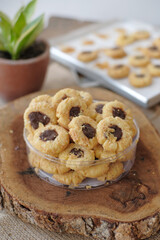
(109, 159)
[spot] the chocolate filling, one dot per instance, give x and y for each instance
(139, 57)
(153, 48)
(115, 48)
(74, 112)
(77, 152)
(64, 97)
(86, 52)
(117, 133)
(88, 130)
(48, 135)
(119, 66)
(157, 66)
(99, 108)
(118, 112)
(38, 117)
(140, 75)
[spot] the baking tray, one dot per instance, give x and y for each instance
(147, 96)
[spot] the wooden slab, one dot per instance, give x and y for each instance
(129, 209)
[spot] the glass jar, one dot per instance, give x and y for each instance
(126, 158)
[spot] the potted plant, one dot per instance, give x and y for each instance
(23, 59)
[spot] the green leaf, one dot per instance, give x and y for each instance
(19, 24)
(17, 14)
(2, 48)
(5, 17)
(29, 10)
(5, 31)
(28, 36)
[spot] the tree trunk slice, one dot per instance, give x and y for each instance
(129, 209)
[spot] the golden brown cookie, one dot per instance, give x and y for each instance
(51, 139)
(100, 154)
(118, 71)
(101, 35)
(82, 130)
(68, 49)
(115, 52)
(46, 165)
(86, 96)
(69, 109)
(102, 65)
(77, 157)
(88, 42)
(63, 94)
(115, 170)
(139, 61)
(157, 42)
(39, 112)
(125, 39)
(42, 98)
(87, 56)
(141, 35)
(118, 109)
(140, 79)
(154, 70)
(71, 178)
(151, 52)
(114, 134)
(95, 171)
(95, 110)
(120, 30)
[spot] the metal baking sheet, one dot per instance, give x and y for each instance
(147, 96)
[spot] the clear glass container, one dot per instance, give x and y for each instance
(127, 158)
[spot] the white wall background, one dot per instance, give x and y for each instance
(145, 10)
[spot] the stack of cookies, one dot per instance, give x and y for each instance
(78, 138)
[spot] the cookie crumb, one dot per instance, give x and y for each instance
(88, 187)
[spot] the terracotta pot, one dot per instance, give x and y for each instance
(20, 77)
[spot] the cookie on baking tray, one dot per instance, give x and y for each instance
(115, 52)
(154, 70)
(102, 35)
(114, 134)
(139, 60)
(88, 42)
(87, 56)
(67, 49)
(125, 39)
(151, 52)
(156, 42)
(141, 35)
(82, 130)
(102, 65)
(69, 109)
(140, 79)
(118, 71)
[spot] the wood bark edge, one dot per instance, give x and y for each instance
(90, 227)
